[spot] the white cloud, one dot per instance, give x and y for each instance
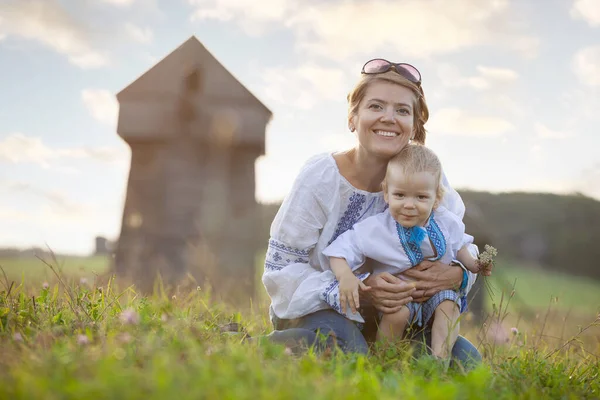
(487, 77)
(586, 65)
(48, 22)
(414, 28)
(503, 75)
(119, 3)
(454, 121)
(55, 198)
(102, 104)
(254, 18)
(303, 86)
(140, 35)
(17, 148)
(587, 10)
(537, 154)
(544, 132)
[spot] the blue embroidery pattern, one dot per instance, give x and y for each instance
(437, 238)
(331, 294)
(351, 215)
(410, 244)
(411, 248)
(279, 255)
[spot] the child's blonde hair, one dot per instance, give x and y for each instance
(415, 158)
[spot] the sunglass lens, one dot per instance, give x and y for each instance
(414, 73)
(376, 66)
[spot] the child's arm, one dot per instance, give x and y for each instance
(473, 264)
(467, 259)
(349, 283)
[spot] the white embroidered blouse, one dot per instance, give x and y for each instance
(321, 205)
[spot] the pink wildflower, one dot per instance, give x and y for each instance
(130, 317)
(17, 337)
(83, 281)
(45, 285)
(514, 331)
(82, 340)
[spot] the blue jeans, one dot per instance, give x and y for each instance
(326, 328)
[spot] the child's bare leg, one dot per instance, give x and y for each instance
(445, 328)
(392, 326)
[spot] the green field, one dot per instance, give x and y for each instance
(34, 270)
(537, 289)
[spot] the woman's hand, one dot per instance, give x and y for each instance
(388, 293)
(431, 277)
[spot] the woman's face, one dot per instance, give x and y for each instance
(385, 118)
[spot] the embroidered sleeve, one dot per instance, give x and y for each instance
(293, 284)
(280, 255)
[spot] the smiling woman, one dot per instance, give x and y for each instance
(333, 192)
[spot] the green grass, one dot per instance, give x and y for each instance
(536, 289)
(73, 344)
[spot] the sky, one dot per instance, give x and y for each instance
(513, 88)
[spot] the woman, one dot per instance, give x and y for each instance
(387, 109)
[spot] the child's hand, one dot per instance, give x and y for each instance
(484, 268)
(480, 267)
(349, 285)
(485, 261)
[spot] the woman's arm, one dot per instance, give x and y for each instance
(292, 283)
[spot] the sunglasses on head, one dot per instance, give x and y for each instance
(379, 66)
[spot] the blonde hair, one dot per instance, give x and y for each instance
(421, 112)
(415, 158)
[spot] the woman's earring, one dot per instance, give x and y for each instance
(351, 128)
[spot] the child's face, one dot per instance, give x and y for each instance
(410, 197)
